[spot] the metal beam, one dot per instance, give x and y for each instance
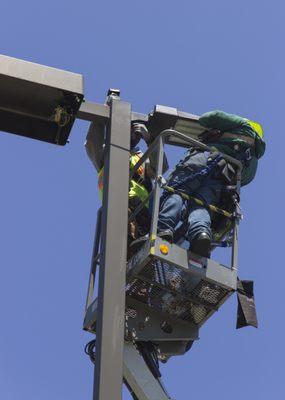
(94, 260)
(139, 117)
(93, 112)
(139, 377)
(112, 272)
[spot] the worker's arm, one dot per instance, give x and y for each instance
(94, 144)
(141, 130)
(221, 121)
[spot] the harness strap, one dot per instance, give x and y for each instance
(213, 160)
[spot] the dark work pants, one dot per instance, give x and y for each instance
(207, 189)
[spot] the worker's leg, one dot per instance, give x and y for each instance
(208, 189)
(199, 233)
(170, 213)
(199, 221)
(171, 207)
(141, 223)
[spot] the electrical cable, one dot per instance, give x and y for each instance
(90, 351)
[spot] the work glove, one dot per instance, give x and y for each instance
(141, 130)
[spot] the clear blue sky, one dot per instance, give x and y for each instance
(195, 56)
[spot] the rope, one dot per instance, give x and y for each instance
(199, 202)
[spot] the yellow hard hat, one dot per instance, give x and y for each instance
(256, 127)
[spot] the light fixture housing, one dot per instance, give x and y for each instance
(37, 101)
(163, 117)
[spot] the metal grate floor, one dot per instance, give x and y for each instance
(171, 290)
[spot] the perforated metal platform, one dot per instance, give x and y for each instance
(178, 284)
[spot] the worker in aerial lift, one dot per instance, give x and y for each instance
(205, 176)
(140, 185)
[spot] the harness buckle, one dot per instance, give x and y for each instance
(162, 181)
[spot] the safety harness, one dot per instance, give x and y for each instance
(213, 161)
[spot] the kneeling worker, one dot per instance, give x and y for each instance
(140, 185)
(230, 134)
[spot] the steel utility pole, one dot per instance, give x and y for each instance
(112, 273)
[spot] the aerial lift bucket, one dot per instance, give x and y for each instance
(170, 291)
(183, 288)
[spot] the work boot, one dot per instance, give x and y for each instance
(166, 235)
(201, 245)
(138, 243)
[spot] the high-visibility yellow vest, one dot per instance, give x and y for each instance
(136, 187)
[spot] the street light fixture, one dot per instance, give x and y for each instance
(163, 117)
(37, 101)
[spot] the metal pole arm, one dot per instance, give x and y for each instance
(139, 377)
(93, 112)
(89, 111)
